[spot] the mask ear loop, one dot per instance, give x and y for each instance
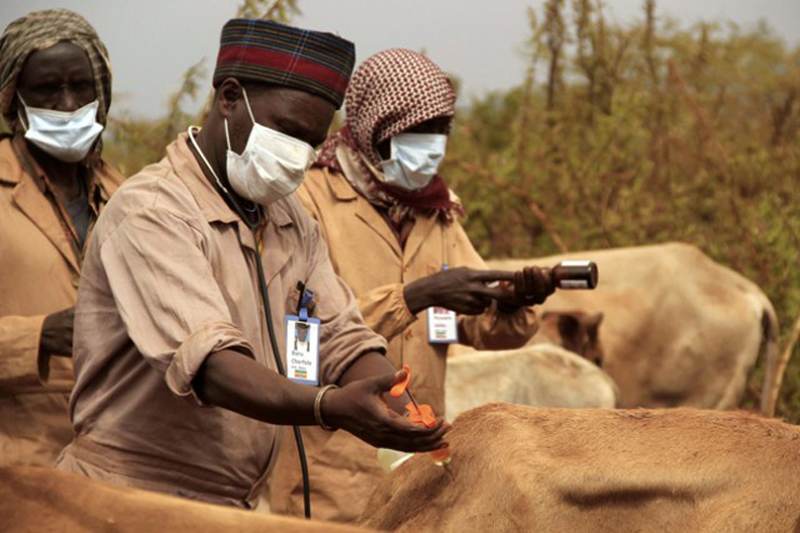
(247, 103)
(190, 131)
(249, 111)
(19, 115)
(228, 141)
(227, 136)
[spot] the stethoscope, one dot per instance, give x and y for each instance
(252, 221)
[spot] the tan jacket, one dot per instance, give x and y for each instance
(38, 275)
(169, 278)
(367, 255)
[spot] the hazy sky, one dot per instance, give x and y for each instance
(152, 42)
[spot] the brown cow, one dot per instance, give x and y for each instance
(576, 331)
(678, 328)
(518, 468)
(38, 499)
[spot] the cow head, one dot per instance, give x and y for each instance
(576, 331)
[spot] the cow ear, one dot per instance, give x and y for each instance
(593, 321)
(568, 326)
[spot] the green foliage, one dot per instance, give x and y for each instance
(132, 143)
(642, 134)
(279, 10)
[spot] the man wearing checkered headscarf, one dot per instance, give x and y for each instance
(390, 245)
(47, 208)
(390, 92)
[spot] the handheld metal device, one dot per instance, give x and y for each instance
(575, 275)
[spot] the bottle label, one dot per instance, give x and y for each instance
(579, 264)
(573, 284)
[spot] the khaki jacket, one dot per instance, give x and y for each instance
(39, 274)
(367, 255)
(170, 277)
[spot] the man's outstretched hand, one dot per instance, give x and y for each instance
(470, 292)
(464, 290)
(530, 286)
(361, 408)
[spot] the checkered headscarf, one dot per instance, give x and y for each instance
(39, 30)
(392, 91)
(389, 93)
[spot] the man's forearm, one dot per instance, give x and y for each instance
(236, 382)
(233, 381)
(417, 295)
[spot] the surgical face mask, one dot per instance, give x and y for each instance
(272, 165)
(65, 135)
(415, 158)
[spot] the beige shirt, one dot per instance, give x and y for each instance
(367, 254)
(39, 272)
(169, 278)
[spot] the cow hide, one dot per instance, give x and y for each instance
(36, 500)
(517, 468)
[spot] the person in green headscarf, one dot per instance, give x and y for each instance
(55, 89)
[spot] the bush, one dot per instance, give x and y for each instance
(638, 135)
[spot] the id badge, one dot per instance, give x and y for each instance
(442, 326)
(302, 350)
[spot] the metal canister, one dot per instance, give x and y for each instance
(575, 275)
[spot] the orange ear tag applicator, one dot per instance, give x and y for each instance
(420, 414)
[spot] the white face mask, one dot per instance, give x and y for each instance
(415, 158)
(272, 165)
(65, 135)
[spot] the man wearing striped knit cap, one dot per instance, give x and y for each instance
(177, 387)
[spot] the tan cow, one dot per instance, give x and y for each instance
(39, 500)
(542, 375)
(678, 328)
(576, 331)
(519, 468)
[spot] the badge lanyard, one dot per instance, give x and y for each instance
(442, 323)
(302, 342)
(253, 223)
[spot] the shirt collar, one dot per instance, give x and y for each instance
(12, 170)
(211, 203)
(341, 187)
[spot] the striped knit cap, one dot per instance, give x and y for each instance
(269, 52)
(39, 30)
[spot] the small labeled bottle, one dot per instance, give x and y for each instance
(574, 275)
